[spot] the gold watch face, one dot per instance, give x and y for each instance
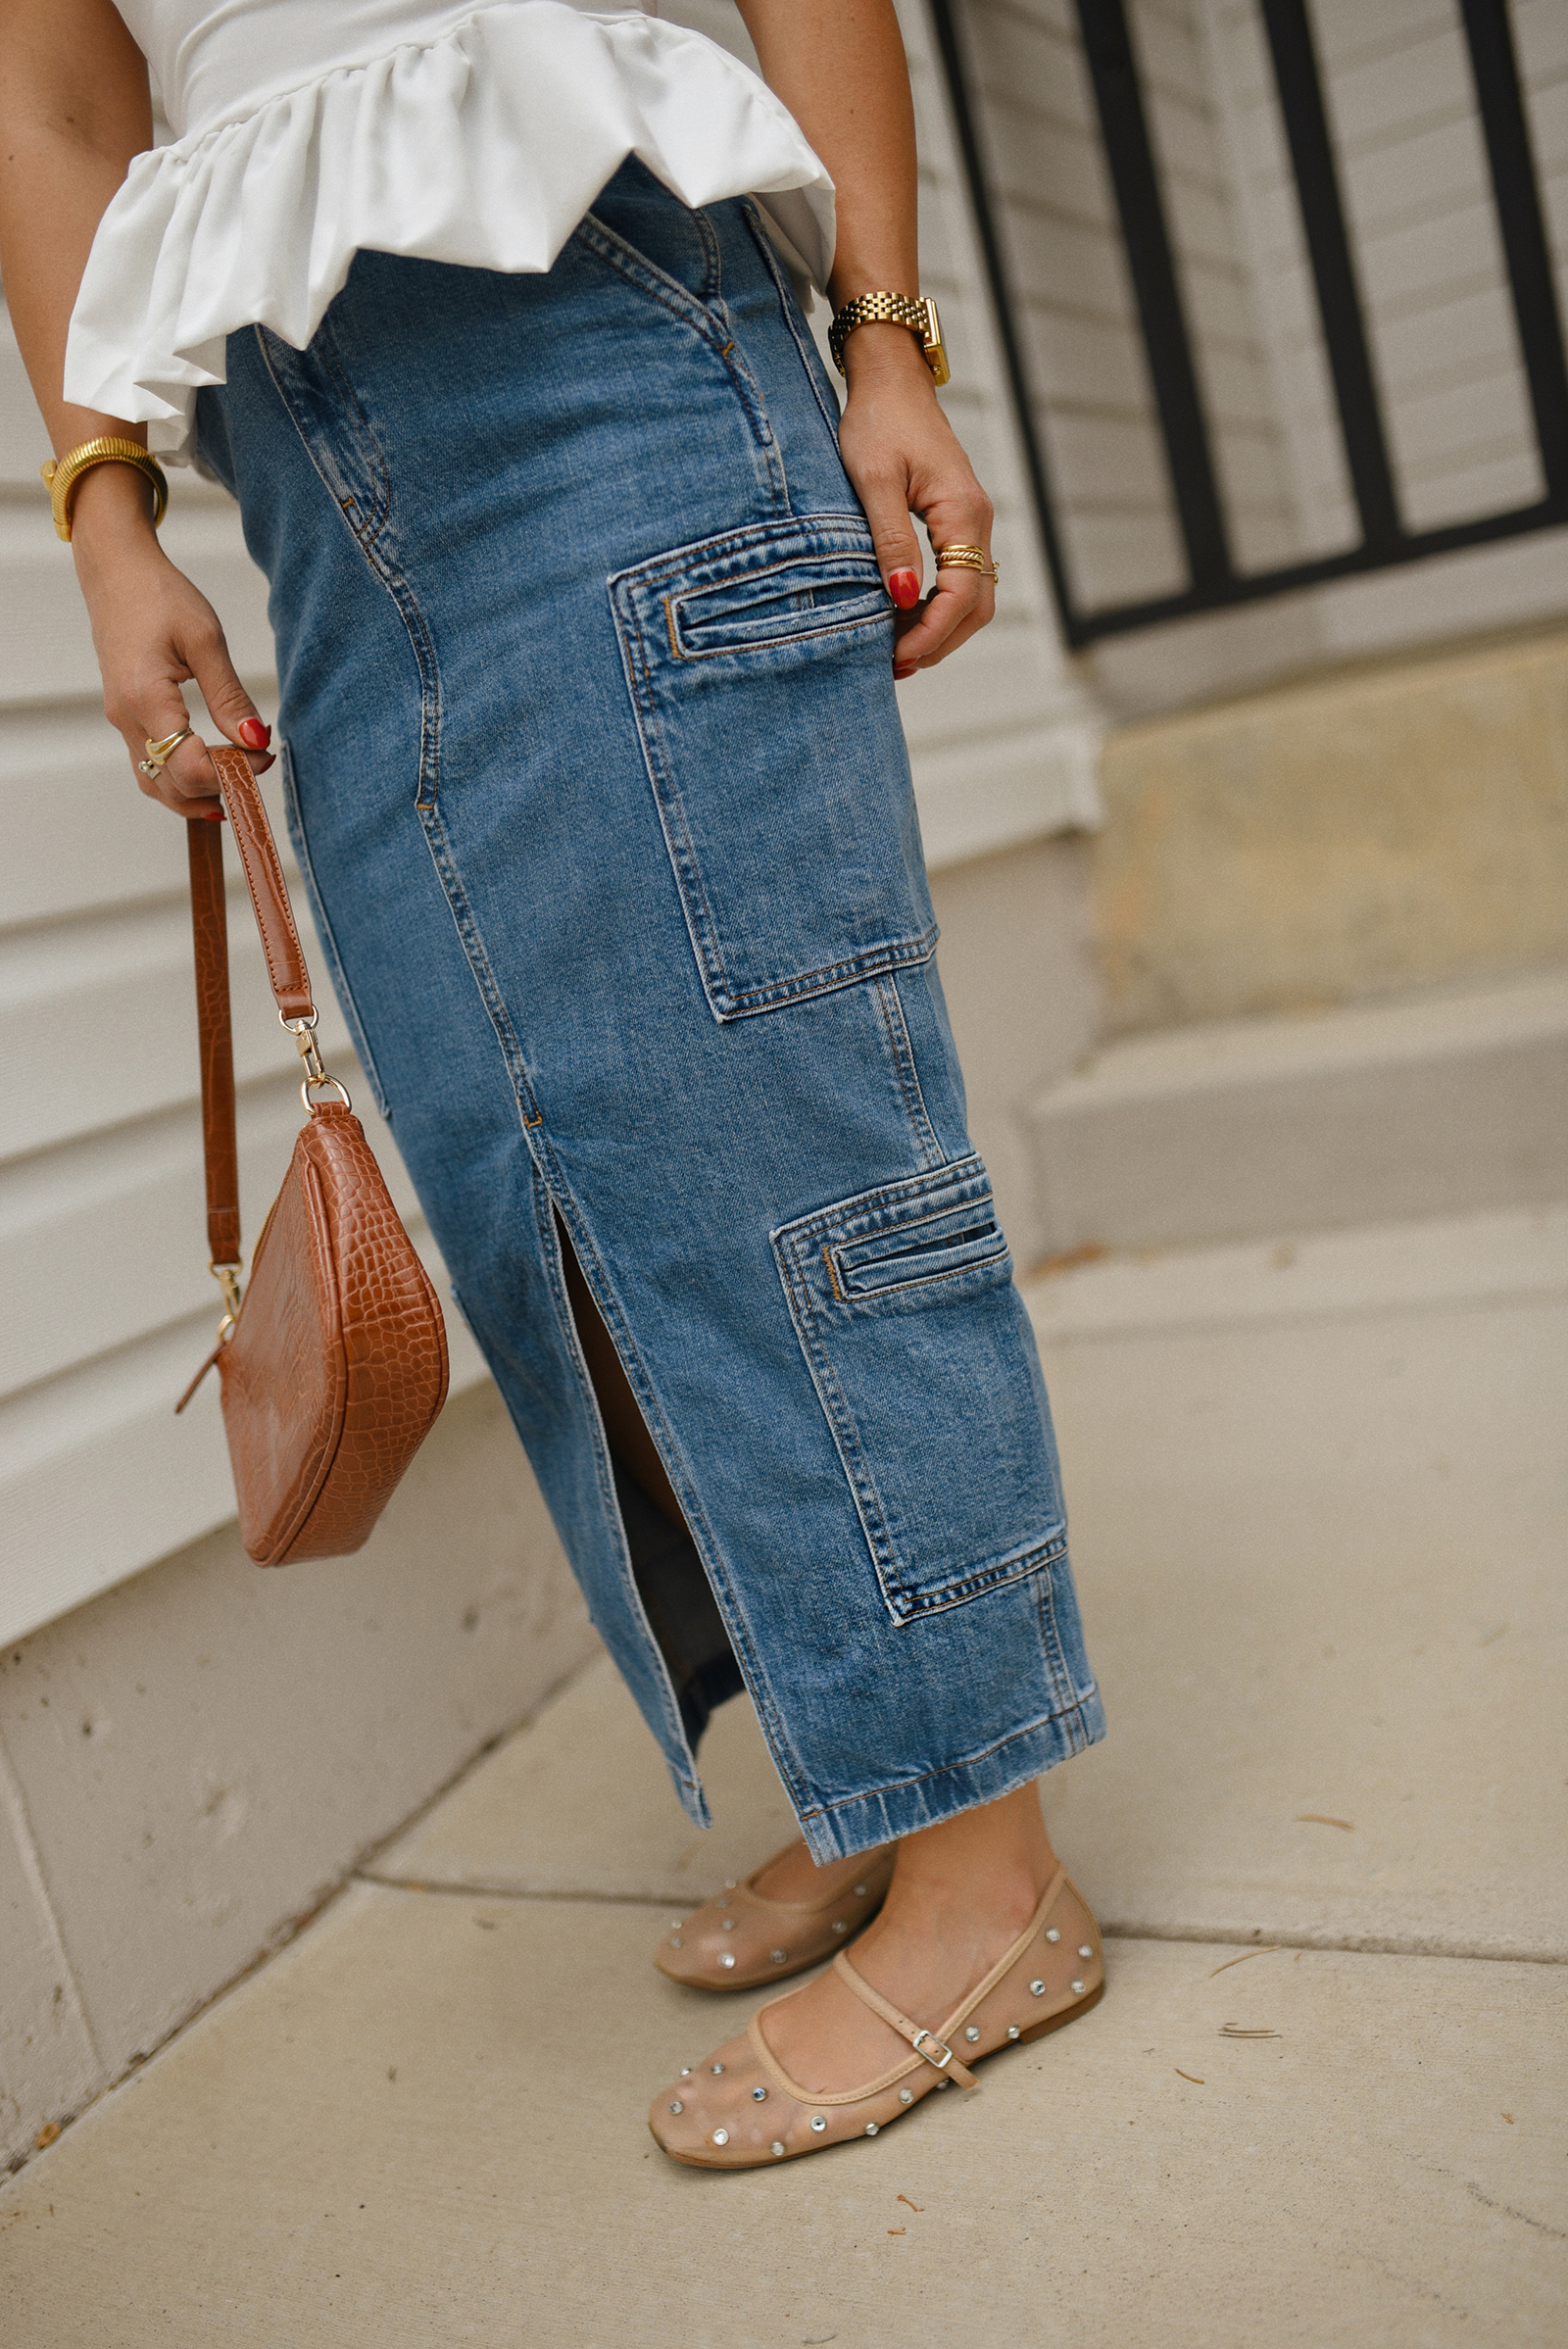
(934, 347)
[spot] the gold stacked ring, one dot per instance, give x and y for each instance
(159, 754)
(968, 558)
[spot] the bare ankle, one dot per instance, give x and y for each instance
(995, 1860)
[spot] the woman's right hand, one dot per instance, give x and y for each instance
(152, 632)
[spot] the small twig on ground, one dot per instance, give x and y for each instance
(1246, 1954)
(1235, 2030)
(909, 2205)
(1322, 1818)
(1192, 2075)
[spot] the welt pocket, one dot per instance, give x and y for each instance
(782, 605)
(966, 1238)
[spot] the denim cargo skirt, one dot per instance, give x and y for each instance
(597, 782)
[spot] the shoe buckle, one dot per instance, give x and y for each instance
(938, 2063)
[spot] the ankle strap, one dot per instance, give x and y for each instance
(937, 2053)
(935, 2047)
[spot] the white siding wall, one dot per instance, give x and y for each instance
(1004, 739)
(1075, 317)
(107, 1304)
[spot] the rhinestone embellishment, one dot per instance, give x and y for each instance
(776, 2148)
(726, 1957)
(819, 2122)
(1051, 1934)
(729, 1925)
(779, 1956)
(1077, 1989)
(839, 1927)
(970, 2032)
(716, 2070)
(871, 2129)
(674, 1940)
(1013, 2031)
(860, 1892)
(1038, 1987)
(721, 2136)
(905, 2095)
(685, 2071)
(1086, 1951)
(677, 2106)
(759, 2095)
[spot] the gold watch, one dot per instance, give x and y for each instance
(918, 313)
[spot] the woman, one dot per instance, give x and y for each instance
(588, 611)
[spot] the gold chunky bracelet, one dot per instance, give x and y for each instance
(918, 314)
(61, 475)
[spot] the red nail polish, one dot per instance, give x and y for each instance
(262, 764)
(909, 671)
(905, 589)
(253, 734)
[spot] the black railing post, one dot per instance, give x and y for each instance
(1339, 300)
(1523, 236)
(1107, 45)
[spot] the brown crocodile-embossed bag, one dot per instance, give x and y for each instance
(334, 1365)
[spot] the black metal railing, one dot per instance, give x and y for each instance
(1214, 579)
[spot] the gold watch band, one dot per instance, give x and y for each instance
(61, 475)
(916, 312)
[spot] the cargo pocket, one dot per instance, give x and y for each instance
(922, 1356)
(759, 664)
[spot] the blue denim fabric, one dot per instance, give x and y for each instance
(596, 781)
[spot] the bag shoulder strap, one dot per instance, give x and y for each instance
(286, 969)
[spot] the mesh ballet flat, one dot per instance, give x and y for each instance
(739, 1940)
(740, 2109)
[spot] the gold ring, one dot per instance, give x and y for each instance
(968, 558)
(965, 559)
(159, 754)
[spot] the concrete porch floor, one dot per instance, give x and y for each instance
(1318, 1493)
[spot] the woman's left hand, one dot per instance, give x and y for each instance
(904, 457)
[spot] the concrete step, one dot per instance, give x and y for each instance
(1437, 1106)
(1390, 823)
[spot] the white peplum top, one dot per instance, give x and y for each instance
(305, 130)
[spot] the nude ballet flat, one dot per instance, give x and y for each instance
(740, 2109)
(740, 1939)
